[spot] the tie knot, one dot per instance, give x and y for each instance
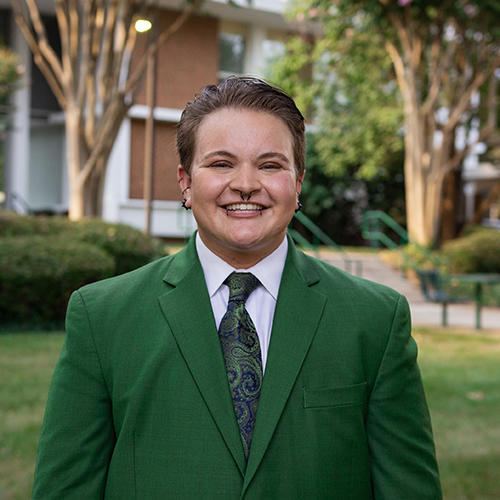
(241, 285)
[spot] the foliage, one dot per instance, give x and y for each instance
(443, 54)
(13, 224)
(43, 259)
(10, 72)
(346, 82)
(40, 272)
(477, 253)
(129, 247)
(336, 201)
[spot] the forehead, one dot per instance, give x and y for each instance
(238, 128)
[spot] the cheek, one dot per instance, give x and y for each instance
(207, 186)
(284, 189)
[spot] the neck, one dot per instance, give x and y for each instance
(241, 259)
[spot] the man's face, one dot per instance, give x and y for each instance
(243, 184)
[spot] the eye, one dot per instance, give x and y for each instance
(220, 164)
(271, 166)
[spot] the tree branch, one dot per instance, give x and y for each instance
(465, 97)
(437, 68)
(107, 36)
(485, 204)
(42, 42)
(399, 66)
(116, 111)
(492, 102)
(454, 161)
(86, 38)
(64, 30)
(53, 78)
(74, 34)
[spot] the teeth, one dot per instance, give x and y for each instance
(243, 206)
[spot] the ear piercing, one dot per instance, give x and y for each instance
(184, 201)
(299, 204)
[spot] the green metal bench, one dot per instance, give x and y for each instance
(433, 285)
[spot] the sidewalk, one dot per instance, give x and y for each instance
(424, 313)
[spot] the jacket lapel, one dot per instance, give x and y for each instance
(296, 318)
(188, 312)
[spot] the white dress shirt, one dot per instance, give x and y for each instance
(260, 303)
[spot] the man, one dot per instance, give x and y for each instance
(287, 380)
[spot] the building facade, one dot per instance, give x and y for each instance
(216, 42)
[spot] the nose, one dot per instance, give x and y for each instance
(245, 180)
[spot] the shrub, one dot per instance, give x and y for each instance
(128, 246)
(12, 224)
(479, 252)
(38, 274)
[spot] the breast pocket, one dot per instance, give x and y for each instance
(335, 397)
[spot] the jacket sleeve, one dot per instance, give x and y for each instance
(77, 435)
(403, 461)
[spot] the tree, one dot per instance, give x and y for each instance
(355, 154)
(444, 55)
(92, 79)
(10, 73)
(337, 200)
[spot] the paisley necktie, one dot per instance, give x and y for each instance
(241, 350)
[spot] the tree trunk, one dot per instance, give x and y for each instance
(74, 159)
(93, 193)
(451, 211)
(415, 172)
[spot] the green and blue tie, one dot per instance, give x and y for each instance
(242, 356)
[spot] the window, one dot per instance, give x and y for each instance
(231, 53)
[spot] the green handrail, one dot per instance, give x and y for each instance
(320, 236)
(370, 228)
(371, 231)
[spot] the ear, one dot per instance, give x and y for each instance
(300, 179)
(184, 181)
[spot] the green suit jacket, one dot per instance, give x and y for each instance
(140, 408)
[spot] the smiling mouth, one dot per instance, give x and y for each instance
(243, 208)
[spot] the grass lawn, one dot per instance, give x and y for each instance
(461, 372)
(26, 365)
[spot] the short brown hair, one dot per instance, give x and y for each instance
(240, 92)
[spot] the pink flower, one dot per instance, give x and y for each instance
(402, 3)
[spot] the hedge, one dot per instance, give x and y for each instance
(12, 224)
(38, 274)
(479, 252)
(129, 247)
(43, 259)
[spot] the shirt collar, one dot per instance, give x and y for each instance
(268, 270)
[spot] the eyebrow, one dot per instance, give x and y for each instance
(263, 156)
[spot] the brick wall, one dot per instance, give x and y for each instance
(188, 61)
